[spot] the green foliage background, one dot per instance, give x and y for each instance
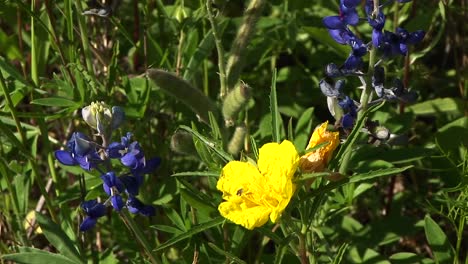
(54, 60)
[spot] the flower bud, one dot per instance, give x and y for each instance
(118, 116)
(102, 117)
(317, 160)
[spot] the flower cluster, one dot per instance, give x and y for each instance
(89, 155)
(389, 44)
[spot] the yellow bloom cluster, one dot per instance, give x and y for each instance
(253, 194)
(318, 159)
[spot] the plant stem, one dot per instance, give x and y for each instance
(219, 49)
(302, 245)
(235, 62)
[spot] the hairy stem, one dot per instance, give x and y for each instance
(219, 49)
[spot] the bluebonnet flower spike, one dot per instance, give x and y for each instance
(93, 210)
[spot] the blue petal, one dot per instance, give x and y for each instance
(88, 223)
(333, 22)
(148, 210)
(415, 37)
(132, 184)
(376, 37)
(352, 62)
(351, 18)
(151, 165)
(93, 209)
(129, 160)
(351, 3)
(347, 121)
(117, 202)
(341, 36)
(118, 116)
(65, 158)
(115, 150)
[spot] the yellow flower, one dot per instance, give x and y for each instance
(318, 159)
(254, 194)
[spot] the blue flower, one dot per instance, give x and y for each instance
(396, 92)
(113, 187)
(135, 206)
(347, 16)
(397, 43)
(93, 210)
(349, 106)
(81, 151)
(132, 156)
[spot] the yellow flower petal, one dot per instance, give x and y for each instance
(317, 160)
(252, 195)
(248, 217)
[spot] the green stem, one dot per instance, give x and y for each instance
(366, 94)
(11, 106)
(302, 245)
(219, 49)
(128, 220)
(84, 39)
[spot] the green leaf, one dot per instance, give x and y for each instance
(196, 173)
(438, 241)
(275, 116)
(56, 101)
(203, 51)
(167, 229)
(210, 144)
(229, 256)
(339, 255)
(438, 106)
(36, 256)
(196, 201)
(321, 35)
(406, 258)
(58, 238)
(194, 230)
(377, 174)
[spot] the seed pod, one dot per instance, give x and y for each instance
(237, 140)
(235, 101)
(182, 143)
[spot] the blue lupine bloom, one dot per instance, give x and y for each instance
(348, 105)
(93, 210)
(354, 61)
(131, 155)
(397, 43)
(347, 16)
(113, 187)
(135, 206)
(81, 151)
